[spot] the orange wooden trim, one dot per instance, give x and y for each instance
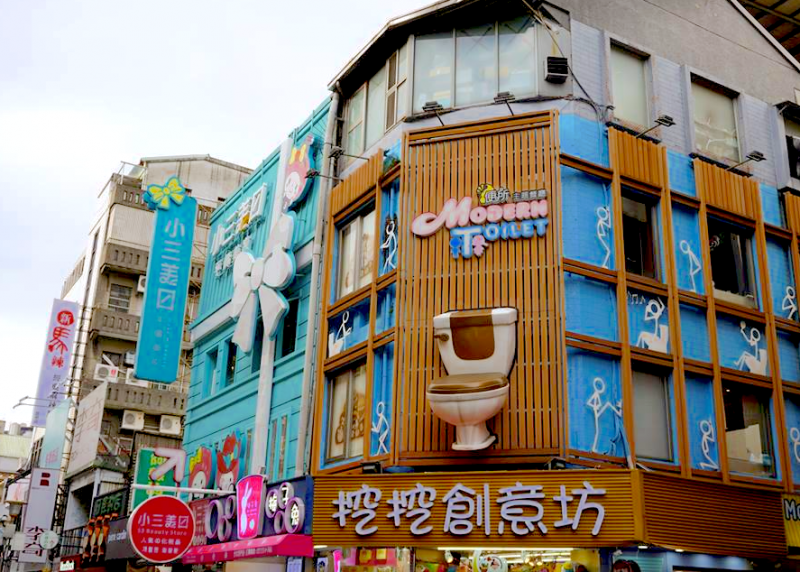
(597, 457)
(351, 209)
(480, 127)
(711, 475)
(698, 367)
(728, 309)
(658, 467)
(731, 217)
(383, 338)
(646, 284)
(644, 356)
(344, 359)
(791, 387)
(778, 232)
(756, 482)
(349, 300)
(684, 200)
(593, 347)
(589, 270)
(595, 341)
(387, 279)
(736, 376)
(640, 186)
(698, 300)
(585, 166)
(785, 325)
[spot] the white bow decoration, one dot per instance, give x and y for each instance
(262, 278)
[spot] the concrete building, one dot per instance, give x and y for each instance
(108, 282)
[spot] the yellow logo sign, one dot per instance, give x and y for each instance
(791, 519)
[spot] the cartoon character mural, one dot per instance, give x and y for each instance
(231, 460)
(301, 161)
(200, 468)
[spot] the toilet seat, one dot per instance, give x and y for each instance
(467, 383)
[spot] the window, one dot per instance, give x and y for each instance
(258, 345)
(651, 414)
(119, 298)
(629, 86)
(210, 385)
(476, 65)
(230, 363)
(731, 262)
(714, 121)
(288, 338)
(356, 252)
(638, 229)
(114, 358)
(346, 421)
(793, 146)
(433, 69)
(747, 430)
(397, 87)
(376, 112)
(355, 122)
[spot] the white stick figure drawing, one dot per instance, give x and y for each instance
(336, 340)
(790, 302)
(603, 228)
(390, 246)
(381, 428)
(794, 437)
(658, 339)
(598, 407)
(708, 439)
(756, 362)
(694, 262)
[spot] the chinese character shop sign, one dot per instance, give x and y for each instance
(161, 330)
(498, 215)
(161, 529)
(542, 508)
(55, 363)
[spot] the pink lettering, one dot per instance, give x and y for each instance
(509, 211)
(453, 213)
(539, 209)
(523, 211)
(494, 213)
(478, 215)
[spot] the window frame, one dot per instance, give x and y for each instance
(282, 337)
(768, 438)
(733, 95)
(231, 351)
(652, 204)
(211, 367)
(748, 262)
(330, 381)
(356, 217)
(395, 89)
(111, 296)
(665, 377)
(647, 71)
(348, 127)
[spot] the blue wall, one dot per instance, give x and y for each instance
(586, 205)
(702, 423)
(688, 251)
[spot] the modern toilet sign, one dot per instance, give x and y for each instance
(498, 214)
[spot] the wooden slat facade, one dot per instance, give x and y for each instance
(439, 164)
(727, 190)
(792, 203)
(358, 183)
(639, 159)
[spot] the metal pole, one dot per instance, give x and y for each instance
(180, 490)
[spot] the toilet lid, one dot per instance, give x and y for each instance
(468, 383)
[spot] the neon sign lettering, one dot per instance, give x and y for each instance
(520, 215)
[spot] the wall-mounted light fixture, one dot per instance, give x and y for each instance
(313, 173)
(505, 97)
(661, 120)
(755, 156)
(337, 152)
(433, 107)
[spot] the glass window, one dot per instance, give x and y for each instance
(113, 357)
(629, 88)
(638, 229)
(356, 253)
(793, 147)
(355, 123)
(433, 69)
(517, 43)
(714, 122)
(476, 65)
(376, 113)
(397, 87)
(289, 329)
(731, 262)
(652, 424)
(210, 384)
(747, 430)
(119, 298)
(348, 406)
(230, 363)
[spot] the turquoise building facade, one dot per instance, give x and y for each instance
(221, 434)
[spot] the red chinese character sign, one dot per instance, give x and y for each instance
(55, 362)
(161, 529)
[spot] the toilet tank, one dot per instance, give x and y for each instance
(477, 341)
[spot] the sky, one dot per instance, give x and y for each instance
(85, 84)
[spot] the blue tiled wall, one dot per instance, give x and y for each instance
(694, 333)
(688, 251)
(681, 173)
(702, 424)
(771, 205)
(584, 138)
(781, 279)
(591, 307)
(789, 356)
(585, 199)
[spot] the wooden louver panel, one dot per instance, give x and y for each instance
(639, 159)
(519, 154)
(792, 204)
(356, 184)
(726, 190)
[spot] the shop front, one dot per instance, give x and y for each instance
(537, 521)
(265, 524)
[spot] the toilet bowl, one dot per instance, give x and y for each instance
(477, 349)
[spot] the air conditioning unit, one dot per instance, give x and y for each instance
(556, 69)
(170, 425)
(793, 146)
(142, 284)
(130, 358)
(105, 372)
(133, 420)
(130, 380)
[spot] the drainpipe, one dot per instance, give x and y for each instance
(307, 403)
(258, 455)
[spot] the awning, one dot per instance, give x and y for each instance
(281, 545)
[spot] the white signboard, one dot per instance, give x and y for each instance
(39, 513)
(87, 430)
(55, 362)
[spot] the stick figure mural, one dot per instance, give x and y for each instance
(658, 339)
(389, 246)
(694, 262)
(381, 428)
(337, 340)
(708, 439)
(757, 361)
(599, 407)
(603, 231)
(794, 437)
(790, 302)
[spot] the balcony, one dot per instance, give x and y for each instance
(124, 259)
(155, 401)
(126, 191)
(119, 325)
